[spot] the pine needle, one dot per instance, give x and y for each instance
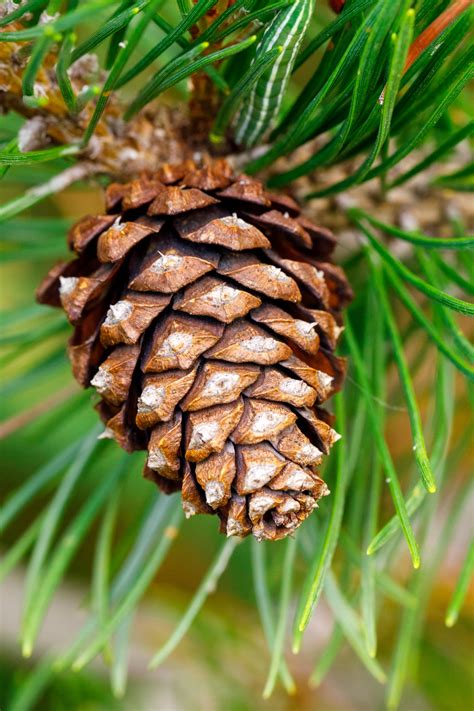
(60, 558)
(315, 580)
(207, 587)
(134, 592)
(419, 447)
(392, 478)
(282, 618)
(266, 611)
(351, 626)
(462, 585)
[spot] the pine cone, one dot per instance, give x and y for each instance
(206, 314)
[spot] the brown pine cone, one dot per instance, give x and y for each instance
(206, 313)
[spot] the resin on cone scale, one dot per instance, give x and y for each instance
(206, 312)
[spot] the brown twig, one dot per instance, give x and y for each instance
(433, 31)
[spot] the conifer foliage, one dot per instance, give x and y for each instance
(256, 157)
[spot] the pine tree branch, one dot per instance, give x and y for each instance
(118, 148)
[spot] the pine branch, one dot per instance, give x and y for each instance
(379, 84)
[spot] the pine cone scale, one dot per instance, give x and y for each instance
(206, 321)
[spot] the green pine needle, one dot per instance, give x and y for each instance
(461, 588)
(351, 626)
(322, 562)
(134, 593)
(266, 611)
(392, 478)
(282, 617)
(38, 603)
(419, 447)
(205, 589)
(429, 290)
